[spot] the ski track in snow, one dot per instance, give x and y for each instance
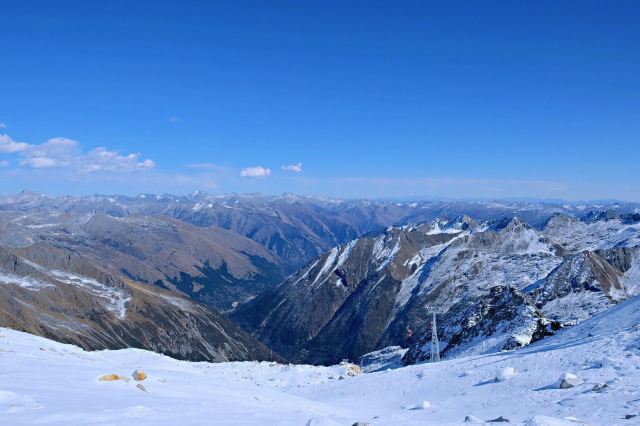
(45, 382)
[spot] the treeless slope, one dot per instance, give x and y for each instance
(53, 292)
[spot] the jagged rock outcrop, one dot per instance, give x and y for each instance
(493, 285)
(499, 320)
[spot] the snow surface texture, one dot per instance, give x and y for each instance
(44, 382)
(576, 235)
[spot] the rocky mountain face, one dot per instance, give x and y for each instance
(116, 271)
(348, 291)
(212, 265)
(493, 285)
(54, 292)
(222, 250)
(294, 228)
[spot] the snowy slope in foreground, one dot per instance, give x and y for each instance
(45, 382)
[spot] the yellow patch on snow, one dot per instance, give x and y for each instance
(351, 369)
(139, 375)
(112, 378)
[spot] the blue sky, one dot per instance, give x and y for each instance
(364, 99)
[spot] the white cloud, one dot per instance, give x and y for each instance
(10, 146)
(257, 171)
(56, 152)
(4, 163)
(3, 126)
(103, 160)
(67, 153)
(62, 142)
(296, 168)
(42, 162)
(174, 120)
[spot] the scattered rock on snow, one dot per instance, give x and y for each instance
(422, 406)
(139, 375)
(505, 374)
(600, 387)
(568, 380)
(499, 420)
(472, 419)
(351, 369)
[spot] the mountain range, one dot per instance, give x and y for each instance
(314, 279)
(492, 285)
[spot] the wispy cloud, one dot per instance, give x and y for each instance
(64, 153)
(10, 146)
(103, 160)
(3, 126)
(4, 163)
(174, 120)
(296, 168)
(56, 152)
(205, 166)
(255, 172)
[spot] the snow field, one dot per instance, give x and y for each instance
(44, 382)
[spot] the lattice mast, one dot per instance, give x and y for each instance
(435, 344)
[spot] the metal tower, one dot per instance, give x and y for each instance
(435, 344)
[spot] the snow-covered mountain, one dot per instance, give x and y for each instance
(584, 375)
(493, 285)
(295, 228)
(508, 281)
(224, 249)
